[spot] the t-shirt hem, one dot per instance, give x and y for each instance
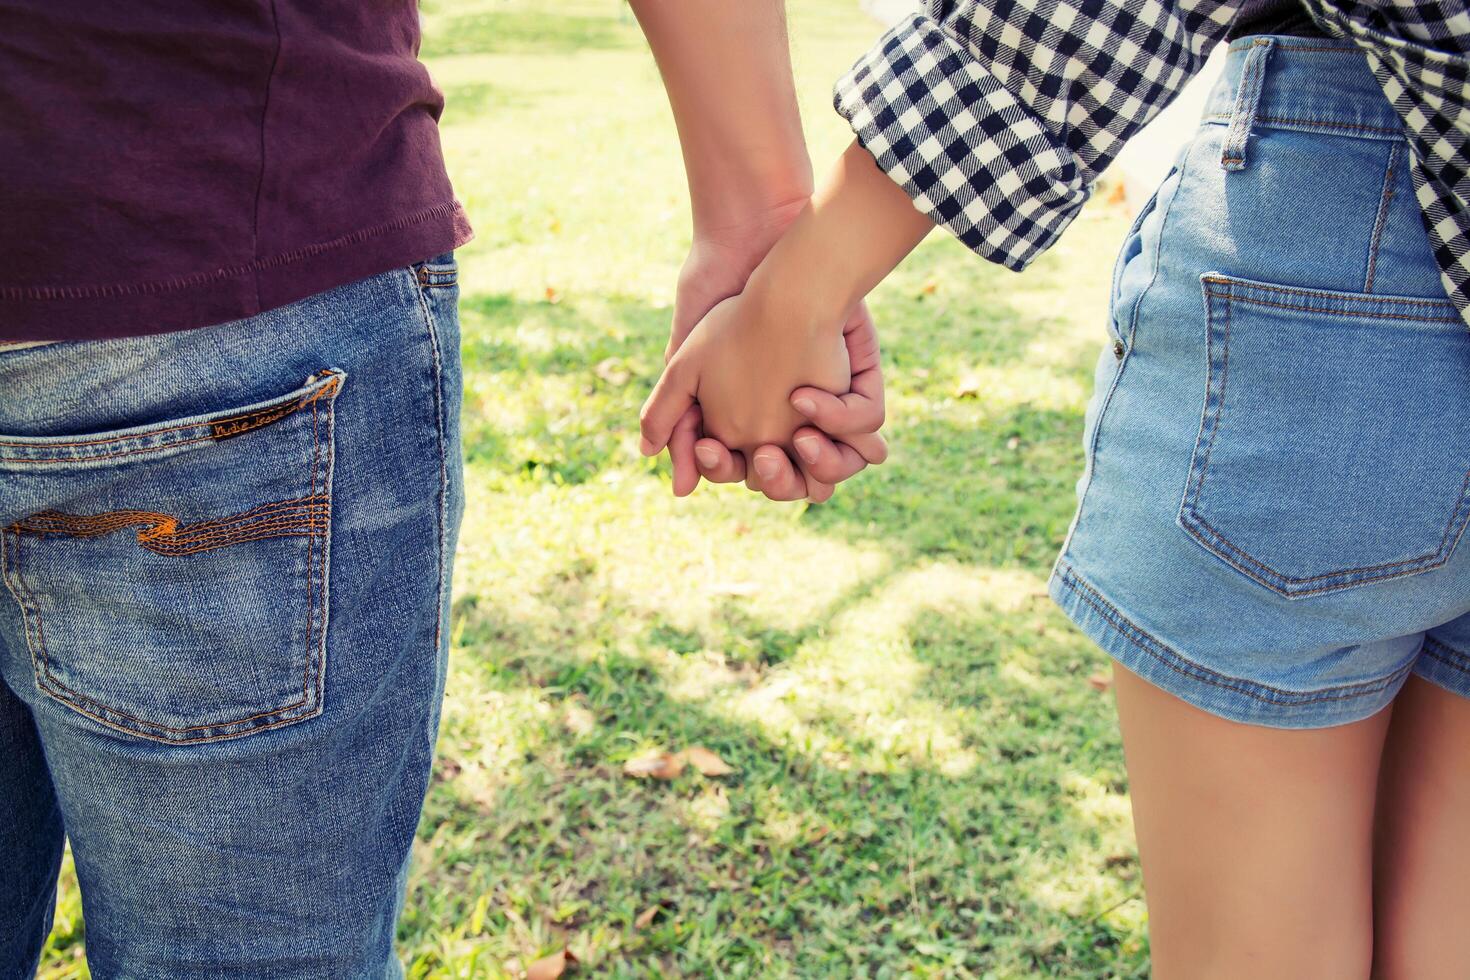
(97, 313)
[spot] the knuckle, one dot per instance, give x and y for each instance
(832, 472)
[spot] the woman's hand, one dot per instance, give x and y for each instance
(718, 266)
(840, 437)
(749, 365)
(741, 364)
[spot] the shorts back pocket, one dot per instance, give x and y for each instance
(172, 578)
(1333, 450)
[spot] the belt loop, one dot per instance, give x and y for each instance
(1247, 99)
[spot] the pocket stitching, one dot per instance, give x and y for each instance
(1149, 208)
(328, 387)
(300, 710)
(1214, 279)
(1217, 544)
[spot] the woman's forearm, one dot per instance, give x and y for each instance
(857, 228)
(727, 69)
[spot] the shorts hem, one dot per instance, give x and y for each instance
(1235, 699)
(1444, 667)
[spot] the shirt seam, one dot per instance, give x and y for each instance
(264, 120)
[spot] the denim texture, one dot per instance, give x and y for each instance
(1278, 469)
(225, 557)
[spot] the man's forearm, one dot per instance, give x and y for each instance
(727, 69)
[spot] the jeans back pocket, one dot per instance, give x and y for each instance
(172, 578)
(1332, 449)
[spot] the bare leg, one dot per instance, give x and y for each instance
(1422, 862)
(1256, 843)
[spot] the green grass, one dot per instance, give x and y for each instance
(926, 784)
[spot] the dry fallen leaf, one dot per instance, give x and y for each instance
(613, 371)
(551, 967)
(578, 719)
(706, 761)
(930, 285)
(968, 387)
(733, 588)
(553, 295)
(646, 917)
(661, 765)
(1100, 682)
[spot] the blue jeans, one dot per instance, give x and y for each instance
(1278, 460)
(226, 556)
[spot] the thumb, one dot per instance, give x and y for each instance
(839, 415)
(678, 333)
(672, 396)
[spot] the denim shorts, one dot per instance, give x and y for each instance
(224, 566)
(1275, 490)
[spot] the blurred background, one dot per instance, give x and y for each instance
(924, 774)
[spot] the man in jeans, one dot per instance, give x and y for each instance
(230, 479)
(227, 518)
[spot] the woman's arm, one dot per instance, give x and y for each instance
(996, 118)
(859, 226)
(993, 120)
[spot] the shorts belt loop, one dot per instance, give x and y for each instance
(1247, 99)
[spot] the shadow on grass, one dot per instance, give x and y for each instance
(921, 780)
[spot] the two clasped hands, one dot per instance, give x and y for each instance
(772, 373)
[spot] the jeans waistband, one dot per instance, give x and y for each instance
(1302, 83)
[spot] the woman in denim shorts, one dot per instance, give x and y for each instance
(1267, 538)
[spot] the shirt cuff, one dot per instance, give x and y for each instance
(971, 155)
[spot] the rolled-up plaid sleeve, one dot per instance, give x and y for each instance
(997, 116)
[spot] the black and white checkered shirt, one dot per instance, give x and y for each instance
(996, 116)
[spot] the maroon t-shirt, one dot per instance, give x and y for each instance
(168, 164)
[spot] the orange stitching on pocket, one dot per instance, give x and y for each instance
(164, 535)
(311, 543)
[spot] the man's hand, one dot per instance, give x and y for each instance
(719, 263)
